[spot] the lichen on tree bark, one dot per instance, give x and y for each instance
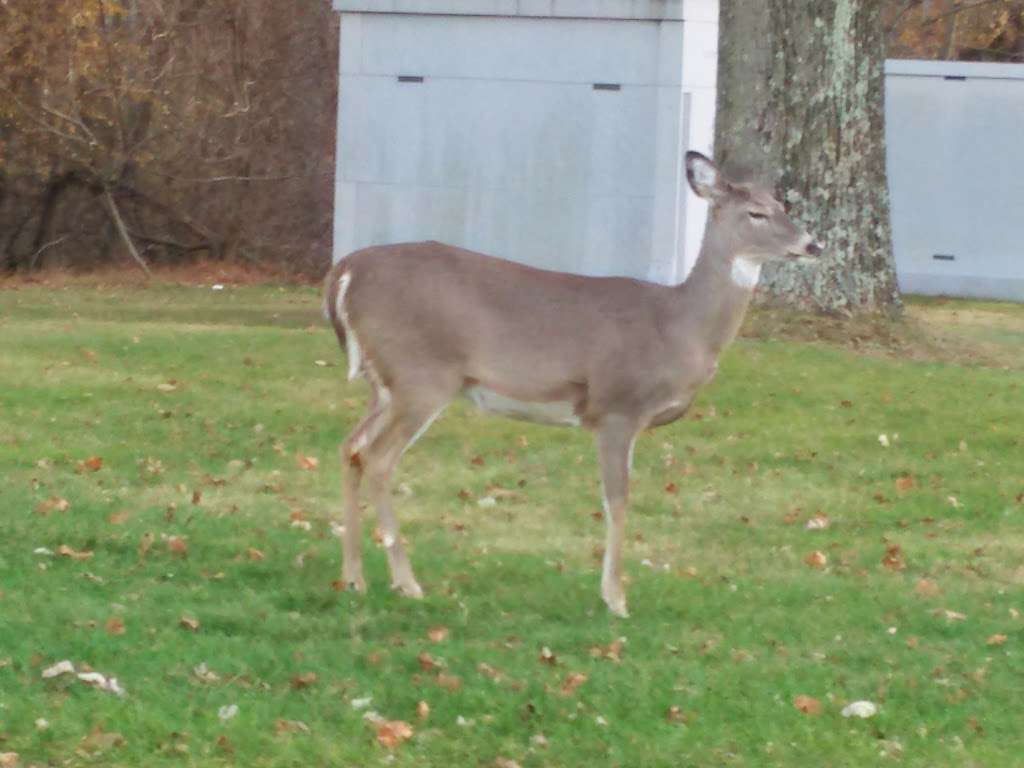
(800, 103)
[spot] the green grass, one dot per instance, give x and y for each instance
(728, 622)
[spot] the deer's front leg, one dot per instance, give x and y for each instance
(615, 453)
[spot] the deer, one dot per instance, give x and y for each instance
(424, 323)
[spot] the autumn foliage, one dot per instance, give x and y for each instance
(173, 130)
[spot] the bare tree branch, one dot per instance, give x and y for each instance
(115, 214)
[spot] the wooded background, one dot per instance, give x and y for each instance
(169, 130)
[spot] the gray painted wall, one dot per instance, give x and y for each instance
(506, 147)
(955, 134)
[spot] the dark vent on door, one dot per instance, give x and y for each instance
(410, 78)
(944, 257)
(607, 87)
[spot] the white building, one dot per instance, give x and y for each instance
(551, 132)
(955, 134)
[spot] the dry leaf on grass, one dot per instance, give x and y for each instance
(227, 712)
(101, 741)
(65, 551)
(571, 682)
(438, 634)
(422, 710)
(115, 625)
(304, 680)
(290, 726)
(391, 733)
(926, 588)
(145, 542)
(808, 705)
(450, 683)
(190, 623)
(905, 483)
(52, 504)
(611, 652)
(954, 615)
(996, 639)
(101, 682)
(505, 762)
(308, 463)
(547, 656)
(893, 558)
(862, 709)
(816, 559)
(255, 555)
(178, 546)
(60, 668)
(426, 661)
(8, 760)
(677, 715)
(817, 523)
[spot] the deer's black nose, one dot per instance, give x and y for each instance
(814, 249)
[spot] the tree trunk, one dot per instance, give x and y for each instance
(800, 102)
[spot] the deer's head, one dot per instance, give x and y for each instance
(754, 225)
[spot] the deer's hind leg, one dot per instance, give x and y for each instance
(409, 416)
(352, 461)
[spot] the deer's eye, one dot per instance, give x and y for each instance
(757, 216)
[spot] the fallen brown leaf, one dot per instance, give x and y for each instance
(450, 683)
(547, 656)
(893, 558)
(304, 680)
(255, 555)
(290, 726)
(438, 634)
(426, 661)
(611, 652)
(505, 762)
(177, 545)
(308, 463)
(422, 710)
(571, 682)
(65, 551)
(677, 715)
(905, 483)
(92, 464)
(808, 705)
(119, 518)
(997, 639)
(52, 504)
(672, 488)
(100, 741)
(926, 588)
(391, 733)
(487, 670)
(145, 542)
(190, 623)
(816, 559)
(115, 625)
(8, 760)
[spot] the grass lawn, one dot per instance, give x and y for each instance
(168, 480)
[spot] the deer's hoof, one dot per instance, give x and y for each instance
(354, 584)
(409, 589)
(617, 606)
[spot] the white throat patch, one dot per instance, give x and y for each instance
(745, 272)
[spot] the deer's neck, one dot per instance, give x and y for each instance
(716, 294)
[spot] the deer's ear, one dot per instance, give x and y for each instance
(705, 179)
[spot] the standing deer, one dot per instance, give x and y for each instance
(425, 322)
